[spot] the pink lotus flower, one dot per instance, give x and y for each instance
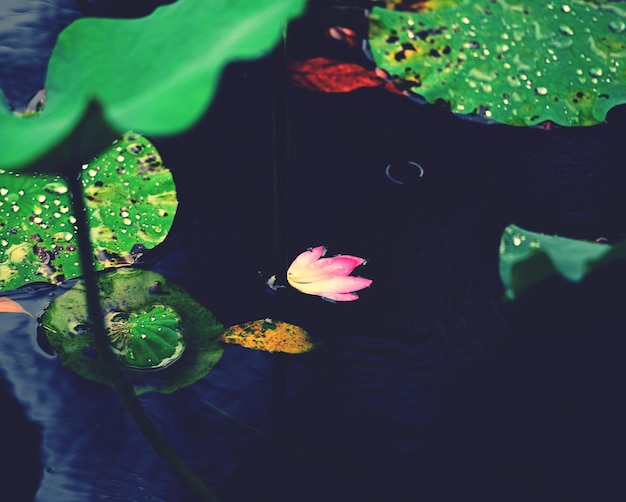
(327, 277)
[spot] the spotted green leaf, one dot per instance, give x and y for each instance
(131, 203)
(517, 63)
(137, 302)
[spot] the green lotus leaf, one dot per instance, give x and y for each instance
(131, 203)
(137, 302)
(529, 257)
(156, 74)
(517, 63)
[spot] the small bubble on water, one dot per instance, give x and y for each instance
(403, 172)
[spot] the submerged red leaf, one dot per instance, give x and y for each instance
(330, 75)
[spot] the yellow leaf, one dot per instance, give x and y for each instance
(269, 335)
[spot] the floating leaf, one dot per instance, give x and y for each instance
(156, 74)
(8, 305)
(131, 203)
(269, 335)
(518, 63)
(132, 297)
(529, 257)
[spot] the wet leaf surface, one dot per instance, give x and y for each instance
(512, 63)
(131, 203)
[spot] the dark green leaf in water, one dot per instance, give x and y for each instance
(131, 203)
(529, 257)
(517, 63)
(182, 336)
(156, 74)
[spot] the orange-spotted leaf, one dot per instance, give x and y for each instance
(269, 335)
(8, 305)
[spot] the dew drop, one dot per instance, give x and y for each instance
(3, 191)
(617, 26)
(566, 30)
(541, 91)
(595, 72)
(56, 188)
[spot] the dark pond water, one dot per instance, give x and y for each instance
(429, 387)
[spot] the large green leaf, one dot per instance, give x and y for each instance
(529, 257)
(131, 204)
(155, 74)
(518, 63)
(133, 292)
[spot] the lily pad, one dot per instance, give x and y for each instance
(269, 335)
(131, 203)
(137, 295)
(529, 257)
(517, 63)
(156, 74)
